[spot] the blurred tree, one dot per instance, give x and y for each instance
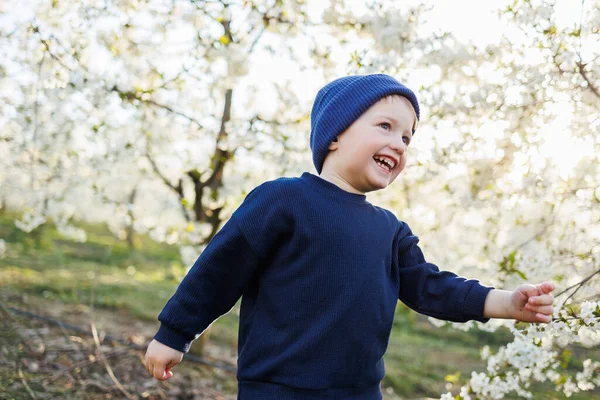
(507, 184)
(180, 103)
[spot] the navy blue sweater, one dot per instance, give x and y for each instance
(320, 271)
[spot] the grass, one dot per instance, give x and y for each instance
(139, 282)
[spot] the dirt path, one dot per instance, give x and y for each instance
(41, 360)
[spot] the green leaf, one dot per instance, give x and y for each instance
(565, 357)
(452, 378)
(507, 265)
(550, 31)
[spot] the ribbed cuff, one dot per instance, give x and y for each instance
(174, 339)
(474, 302)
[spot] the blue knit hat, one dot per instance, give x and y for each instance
(339, 103)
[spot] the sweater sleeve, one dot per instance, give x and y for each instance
(217, 279)
(439, 294)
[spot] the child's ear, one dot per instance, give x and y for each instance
(334, 144)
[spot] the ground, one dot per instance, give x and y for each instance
(41, 360)
(122, 290)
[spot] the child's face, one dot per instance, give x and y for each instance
(384, 129)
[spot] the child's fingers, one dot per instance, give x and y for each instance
(543, 318)
(159, 373)
(170, 365)
(528, 291)
(547, 287)
(542, 300)
(539, 309)
(149, 367)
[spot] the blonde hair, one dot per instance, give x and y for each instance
(397, 96)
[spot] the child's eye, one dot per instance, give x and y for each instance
(385, 126)
(406, 140)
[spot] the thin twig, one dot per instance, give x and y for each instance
(99, 350)
(255, 41)
(181, 114)
(108, 368)
(177, 189)
(220, 365)
(580, 28)
(581, 66)
(24, 381)
(4, 310)
(539, 233)
(130, 96)
(54, 56)
(578, 285)
(67, 371)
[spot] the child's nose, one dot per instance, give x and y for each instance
(398, 145)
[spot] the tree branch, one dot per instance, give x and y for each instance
(578, 285)
(581, 66)
(130, 96)
(109, 370)
(177, 189)
(221, 156)
(24, 381)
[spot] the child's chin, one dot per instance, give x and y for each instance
(380, 183)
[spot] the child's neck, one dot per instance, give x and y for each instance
(339, 181)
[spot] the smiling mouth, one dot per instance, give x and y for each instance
(384, 164)
(383, 167)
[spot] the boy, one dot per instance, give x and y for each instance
(321, 269)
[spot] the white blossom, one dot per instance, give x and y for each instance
(502, 181)
(447, 396)
(2, 248)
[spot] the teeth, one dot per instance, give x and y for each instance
(389, 163)
(383, 165)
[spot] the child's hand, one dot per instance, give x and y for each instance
(529, 303)
(160, 359)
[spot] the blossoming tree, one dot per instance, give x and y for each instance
(156, 117)
(507, 174)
